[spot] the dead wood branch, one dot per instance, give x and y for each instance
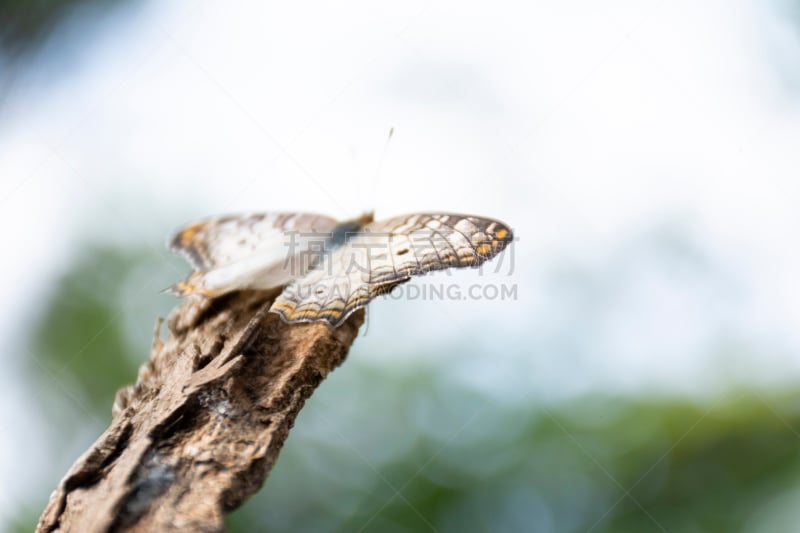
(200, 430)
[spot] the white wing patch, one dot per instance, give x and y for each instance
(255, 251)
(332, 269)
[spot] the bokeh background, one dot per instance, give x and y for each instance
(646, 377)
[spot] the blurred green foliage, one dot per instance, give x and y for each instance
(593, 464)
(24, 24)
(379, 449)
(80, 334)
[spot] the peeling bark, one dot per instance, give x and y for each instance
(203, 425)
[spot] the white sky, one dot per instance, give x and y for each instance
(586, 126)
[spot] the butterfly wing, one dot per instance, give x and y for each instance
(252, 251)
(385, 254)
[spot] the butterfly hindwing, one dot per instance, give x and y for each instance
(330, 292)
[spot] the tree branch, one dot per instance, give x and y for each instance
(201, 428)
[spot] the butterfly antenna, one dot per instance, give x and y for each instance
(379, 170)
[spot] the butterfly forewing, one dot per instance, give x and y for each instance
(384, 254)
(254, 251)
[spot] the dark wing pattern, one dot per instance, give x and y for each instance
(385, 254)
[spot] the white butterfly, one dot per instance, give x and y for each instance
(330, 268)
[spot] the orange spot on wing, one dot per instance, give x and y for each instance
(183, 288)
(188, 235)
(483, 249)
(501, 233)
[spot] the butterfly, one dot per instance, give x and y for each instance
(328, 269)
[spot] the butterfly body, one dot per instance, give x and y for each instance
(329, 268)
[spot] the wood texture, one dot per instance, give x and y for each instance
(203, 425)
